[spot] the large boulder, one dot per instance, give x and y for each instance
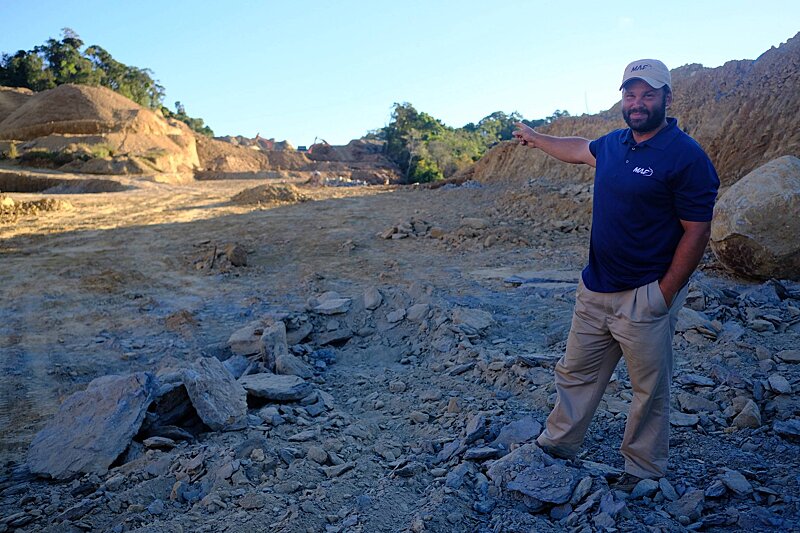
(757, 222)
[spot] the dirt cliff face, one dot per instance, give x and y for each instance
(744, 114)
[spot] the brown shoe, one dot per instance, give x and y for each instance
(626, 482)
(552, 451)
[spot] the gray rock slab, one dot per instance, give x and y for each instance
(646, 487)
(736, 482)
(748, 417)
(553, 484)
(787, 428)
(476, 428)
(779, 384)
(417, 312)
(220, 401)
(678, 419)
(693, 403)
(276, 387)
(290, 365)
(506, 468)
(471, 321)
(93, 427)
(789, 356)
(245, 340)
(690, 505)
(695, 380)
(372, 298)
(481, 453)
(334, 306)
(520, 431)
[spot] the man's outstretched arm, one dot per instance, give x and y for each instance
(567, 149)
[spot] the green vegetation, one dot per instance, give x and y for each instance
(427, 150)
(196, 124)
(58, 62)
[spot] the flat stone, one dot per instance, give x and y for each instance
(92, 427)
(290, 365)
(507, 467)
(481, 453)
(717, 489)
(475, 223)
(787, 428)
(518, 432)
(448, 450)
(552, 484)
(317, 454)
(419, 417)
(736, 482)
(334, 306)
(395, 316)
(276, 387)
(455, 477)
(779, 384)
(471, 321)
(397, 386)
(338, 470)
(417, 312)
(789, 356)
(690, 505)
(252, 501)
(245, 340)
(581, 490)
(304, 436)
(337, 337)
(748, 417)
(695, 380)
(693, 403)
(220, 401)
(678, 419)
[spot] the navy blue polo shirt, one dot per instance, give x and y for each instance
(641, 193)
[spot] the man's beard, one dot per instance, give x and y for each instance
(653, 120)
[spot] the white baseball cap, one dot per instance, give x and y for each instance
(652, 71)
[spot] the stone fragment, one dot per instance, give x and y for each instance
(695, 380)
(419, 417)
(581, 490)
(717, 489)
(417, 312)
(397, 386)
(372, 298)
(481, 453)
(474, 223)
(304, 436)
(338, 470)
(693, 403)
(92, 427)
(476, 428)
(410, 470)
(395, 316)
(779, 384)
(507, 467)
(789, 356)
(317, 454)
(334, 306)
(736, 482)
(448, 450)
(518, 432)
(298, 335)
(236, 365)
(252, 501)
(471, 321)
(667, 489)
(748, 417)
(690, 505)
(789, 429)
(246, 340)
(161, 443)
(455, 477)
(678, 419)
(552, 484)
(336, 337)
(272, 343)
(757, 220)
(236, 254)
(290, 365)
(276, 387)
(220, 401)
(645, 488)
(691, 319)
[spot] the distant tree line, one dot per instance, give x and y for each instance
(58, 62)
(427, 150)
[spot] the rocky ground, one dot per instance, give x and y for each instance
(415, 333)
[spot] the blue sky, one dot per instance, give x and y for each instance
(333, 69)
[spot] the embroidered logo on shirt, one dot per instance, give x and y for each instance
(643, 171)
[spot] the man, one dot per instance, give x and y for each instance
(654, 194)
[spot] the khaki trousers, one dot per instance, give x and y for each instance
(635, 324)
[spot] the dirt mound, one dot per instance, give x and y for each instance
(11, 99)
(737, 112)
(220, 157)
(11, 210)
(71, 126)
(270, 194)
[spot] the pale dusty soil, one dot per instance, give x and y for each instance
(115, 285)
